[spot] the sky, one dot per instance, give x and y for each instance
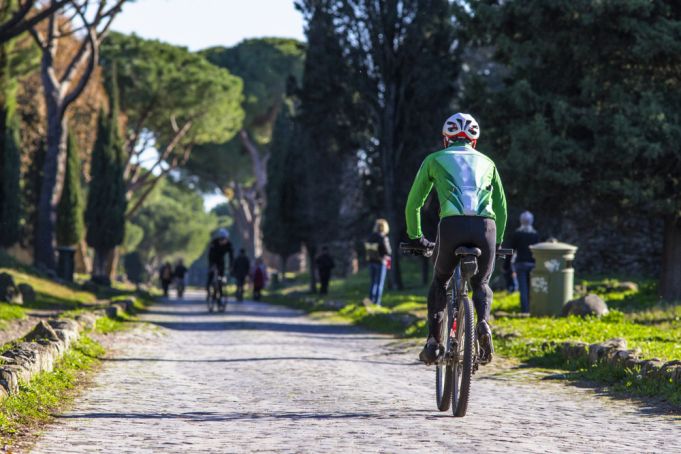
(198, 24)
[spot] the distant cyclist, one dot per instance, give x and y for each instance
(219, 247)
(472, 213)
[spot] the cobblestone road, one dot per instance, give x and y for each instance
(267, 379)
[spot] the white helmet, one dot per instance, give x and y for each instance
(222, 234)
(461, 125)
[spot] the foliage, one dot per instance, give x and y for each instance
(265, 65)
(175, 225)
(163, 86)
(106, 205)
(49, 294)
(70, 220)
(280, 221)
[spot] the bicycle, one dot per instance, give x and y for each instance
(461, 356)
(216, 296)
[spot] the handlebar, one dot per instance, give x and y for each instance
(407, 249)
(504, 252)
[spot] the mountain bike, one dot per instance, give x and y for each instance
(461, 356)
(216, 297)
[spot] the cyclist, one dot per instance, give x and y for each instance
(472, 213)
(218, 248)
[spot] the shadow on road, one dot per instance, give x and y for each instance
(279, 358)
(224, 417)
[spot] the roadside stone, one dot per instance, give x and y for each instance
(590, 304)
(42, 331)
(575, 350)
(27, 293)
(606, 349)
(86, 320)
(9, 292)
(670, 369)
(620, 357)
(113, 311)
(651, 368)
(627, 286)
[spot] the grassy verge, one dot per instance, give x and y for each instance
(49, 391)
(636, 315)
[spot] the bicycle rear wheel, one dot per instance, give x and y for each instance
(463, 367)
(443, 371)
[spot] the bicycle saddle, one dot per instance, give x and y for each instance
(463, 250)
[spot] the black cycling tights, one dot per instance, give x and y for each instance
(455, 231)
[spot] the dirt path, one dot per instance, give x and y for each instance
(266, 379)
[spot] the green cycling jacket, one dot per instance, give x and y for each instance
(467, 184)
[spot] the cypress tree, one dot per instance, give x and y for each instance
(105, 213)
(70, 223)
(10, 153)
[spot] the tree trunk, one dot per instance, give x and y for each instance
(51, 185)
(388, 150)
(99, 263)
(670, 282)
(248, 217)
(112, 263)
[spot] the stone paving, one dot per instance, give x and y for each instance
(262, 378)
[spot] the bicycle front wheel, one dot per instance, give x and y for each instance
(463, 366)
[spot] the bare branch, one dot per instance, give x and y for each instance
(18, 23)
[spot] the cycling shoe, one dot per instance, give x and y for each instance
(431, 352)
(484, 333)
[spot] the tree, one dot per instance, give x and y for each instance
(107, 202)
(70, 212)
(175, 225)
(60, 91)
(589, 118)
(280, 221)
(404, 64)
(265, 65)
(10, 153)
(19, 16)
(330, 127)
(173, 100)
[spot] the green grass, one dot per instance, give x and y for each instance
(49, 294)
(48, 391)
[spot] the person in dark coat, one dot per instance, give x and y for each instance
(324, 264)
(219, 247)
(180, 274)
(524, 237)
(378, 254)
(166, 277)
(242, 266)
(259, 278)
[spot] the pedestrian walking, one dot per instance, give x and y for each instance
(180, 274)
(166, 277)
(242, 267)
(524, 237)
(378, 254)
(324, 264)
(259, 278)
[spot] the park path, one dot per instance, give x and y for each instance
(262, 378)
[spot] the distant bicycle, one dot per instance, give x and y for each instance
(216, 295)
(462, 354)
